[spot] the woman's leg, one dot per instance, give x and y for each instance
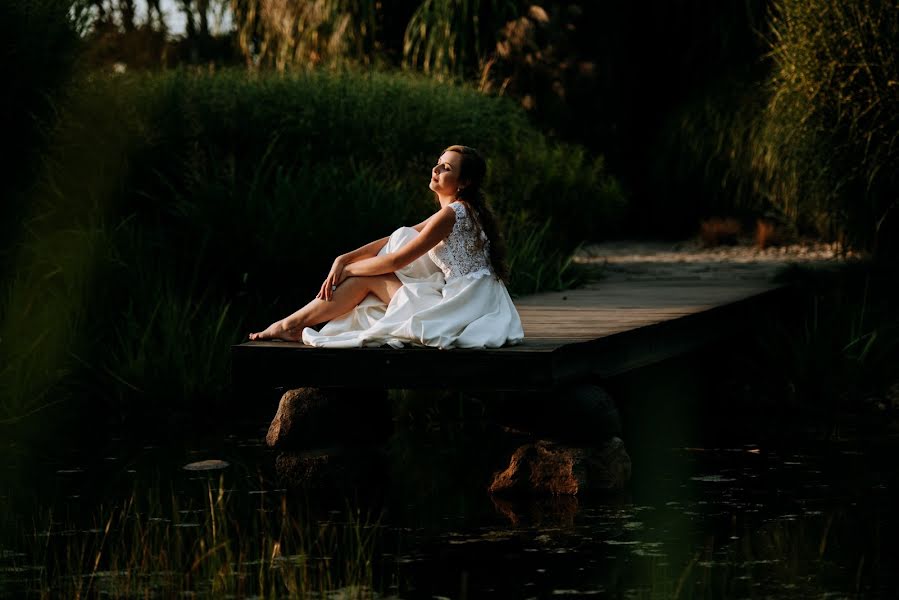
(346, 297)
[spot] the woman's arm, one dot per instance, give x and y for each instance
(433, 230)
(372, 248)
(421, 225)
(368, 250)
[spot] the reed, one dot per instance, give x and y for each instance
(829, 136)
(208, 545)
(840, 349)
(454, 39)
(303, 35)
(535, 265)
(786, 556)
(705, 160)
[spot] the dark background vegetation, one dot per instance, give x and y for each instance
(166, 193)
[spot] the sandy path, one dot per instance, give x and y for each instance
(634, 260)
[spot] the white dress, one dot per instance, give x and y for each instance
(450, 298)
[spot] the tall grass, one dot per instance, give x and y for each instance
(454, 38)
(48, 309)
(446, 39)
(150, 544)
(831, 125)
(535, 262)
(707, 150)
(291, 35)
(839, 348)
(809, 134)
(178, 211)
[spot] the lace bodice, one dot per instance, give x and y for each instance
(458, 254)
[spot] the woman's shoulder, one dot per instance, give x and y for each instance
(459, 207)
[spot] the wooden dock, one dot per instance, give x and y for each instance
(601, 330)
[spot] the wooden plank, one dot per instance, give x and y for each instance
(295, 365)
(603, 330)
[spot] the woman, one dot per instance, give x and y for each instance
(440, 283)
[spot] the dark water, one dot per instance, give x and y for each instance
(799, 518)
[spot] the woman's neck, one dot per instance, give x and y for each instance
(445, 200)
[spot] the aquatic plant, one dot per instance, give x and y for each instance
(837, 349)
(151, 544)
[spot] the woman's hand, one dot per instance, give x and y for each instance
(334, 278)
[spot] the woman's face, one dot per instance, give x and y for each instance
(445, 174)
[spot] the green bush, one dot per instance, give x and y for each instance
(180, 210)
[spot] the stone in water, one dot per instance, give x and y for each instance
(205, 465)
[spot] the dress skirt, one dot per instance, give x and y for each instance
(466, 311)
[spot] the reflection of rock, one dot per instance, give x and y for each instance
(544, 468)
(538, 468)
(312, 417)
(557, 511)
(330, 468)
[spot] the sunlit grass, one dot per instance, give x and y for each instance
(151, 544)
(830, 126)
(454, 38)
(303, 35)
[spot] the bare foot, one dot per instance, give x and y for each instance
(276, 331)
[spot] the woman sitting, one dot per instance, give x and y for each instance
(440, 283)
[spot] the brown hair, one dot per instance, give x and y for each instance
(472, 171)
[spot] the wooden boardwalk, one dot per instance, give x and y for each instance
(601, 330)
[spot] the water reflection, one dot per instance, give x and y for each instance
(812, 520)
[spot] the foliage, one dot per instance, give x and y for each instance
(667, 90)
(706, 151)
(178, 211)
(808, 136)
(305, 34)
(830, 128)
(454, 38)
(440, 38)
